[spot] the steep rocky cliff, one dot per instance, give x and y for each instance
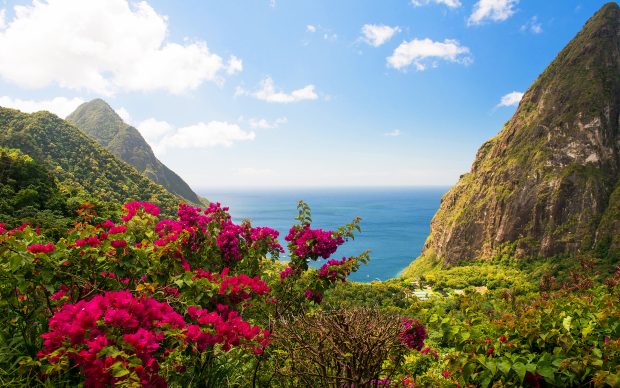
(547, 184)
(99, 121)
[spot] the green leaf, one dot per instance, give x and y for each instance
(486, 381)
(491, 366)
(120, 372)
(547, 372)
(15, 262)
(520, 370)
(468, 370)
(613, 379)
(587, 330)
(567, 322)
(504, 366)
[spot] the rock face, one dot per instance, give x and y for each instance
(100, 122)
(547, 184)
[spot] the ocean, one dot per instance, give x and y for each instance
(395, 221)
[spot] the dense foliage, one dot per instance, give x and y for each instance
(198, 300)
(194, 300)
(84, 170)
(553, 322)
(101, 123)
(28, 193)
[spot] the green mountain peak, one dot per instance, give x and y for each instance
(84, 170)
(100, 122)
(548, 183)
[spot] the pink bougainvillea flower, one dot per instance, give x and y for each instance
(41, 248)
(413, 334)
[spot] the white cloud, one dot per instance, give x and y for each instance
(510, 99)
(393, 133)
(494, 10)
(265, 124)
(330, 36)
(532, 25)
(162, 136)
(103, 46)
(272, 3)
(124, 114)
(235, 65)
(153, 130)
(60, 106)
(449, 3)
(421, 52)
(325, 33)
(377, 34)
(267, 92)
(2, 19)
(204, 135)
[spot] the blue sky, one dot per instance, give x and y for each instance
(291, 93)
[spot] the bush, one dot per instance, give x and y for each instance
(150, 301)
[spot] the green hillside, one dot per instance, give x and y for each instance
(83, 168)
(99, 121)
(29, 193)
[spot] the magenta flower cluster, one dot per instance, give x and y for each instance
(228, 241)
(235, 288)
(313, 296)
(61, 293)
(41, 248)
(413, 334)
(336, 269)
(217, 212)
(12, 232)
(191, 217)
(128, 333)
(117, 229)
(286, 272)
(191, 228)
(141, 326)
(118, 243)
(266, 236)
(116, 319)
(224, 327)
(313, 243)
(133, 207)
(92, 241)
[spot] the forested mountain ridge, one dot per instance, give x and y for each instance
(548, 183)
(83, 168)
(30, 194)
(99, 121)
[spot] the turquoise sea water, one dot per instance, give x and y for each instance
(395, 221)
